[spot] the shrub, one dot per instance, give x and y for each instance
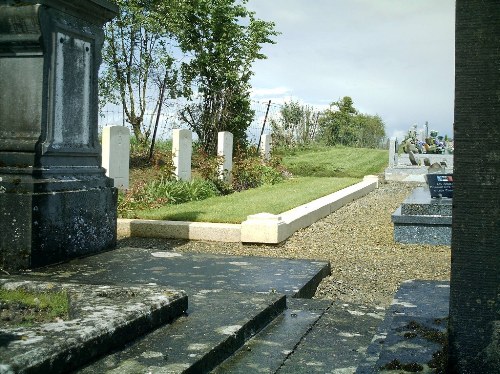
(163, 191)
(250, 171)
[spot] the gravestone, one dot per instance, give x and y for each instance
(116, 154)
(55, 201)
(181, 153)
(393, 152)
(225, 150)
(265, 146)
(474, 326)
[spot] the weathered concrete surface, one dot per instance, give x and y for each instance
(267, 351)
(192, 272)
(414, 329)
(337, 342)
(221, 323)
(230, 299)
(101, 318)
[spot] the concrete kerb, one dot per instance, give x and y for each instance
(258, 228)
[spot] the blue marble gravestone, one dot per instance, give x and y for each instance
(55, 201)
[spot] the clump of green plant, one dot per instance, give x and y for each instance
(249, 170)
(163, 191)
(22, 307)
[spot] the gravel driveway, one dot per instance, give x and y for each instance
(367, 266)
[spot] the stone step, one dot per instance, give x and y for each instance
(337, 342)
(310, 336)
(267, 351)
(220, 324)
(230, 299)
(413, 334)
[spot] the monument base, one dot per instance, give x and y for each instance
(423, 220)
(50, 220)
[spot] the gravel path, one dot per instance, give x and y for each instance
(367, 266)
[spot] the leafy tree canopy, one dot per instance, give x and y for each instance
(200, 49)
(343, 124)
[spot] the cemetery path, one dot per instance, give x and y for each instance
(367, 266)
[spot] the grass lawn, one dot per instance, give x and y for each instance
(317, 172)
(336, 161)
(236, 207)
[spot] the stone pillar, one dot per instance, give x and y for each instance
(393, 153)
(182, 144)
(225, 150)
(265, 146)
(116, 154)
(56, 202)
(474, 326)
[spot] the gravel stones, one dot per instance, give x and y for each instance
(367, 265)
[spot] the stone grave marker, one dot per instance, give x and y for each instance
(56, 201)
(116, 154)
(225, 150)
(181, 153)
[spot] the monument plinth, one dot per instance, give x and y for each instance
(55, 201)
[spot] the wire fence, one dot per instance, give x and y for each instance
(169, 119)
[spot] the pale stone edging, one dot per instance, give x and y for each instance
(258, 228)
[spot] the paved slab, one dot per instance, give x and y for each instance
(193, 272)
(100, 319)
(413, 333)
(267, 351)
(231, 298)
(196, 343)
(337, 342)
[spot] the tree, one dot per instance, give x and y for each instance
(221, 39)
(297, 124)
(336, 123)
(137, 61)
(343, 124)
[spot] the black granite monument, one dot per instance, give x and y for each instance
(475, 258)
(55, 201)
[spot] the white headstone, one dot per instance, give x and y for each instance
(181, 153)
(225, 150)
(393, 152)
(265, 146)
(116, 154)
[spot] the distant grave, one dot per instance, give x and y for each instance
(55, 201)
(410, 158)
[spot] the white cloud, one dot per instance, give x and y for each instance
(394, 58)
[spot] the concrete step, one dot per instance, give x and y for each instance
(220, 324)
(337, 342)
(230, 299)
(266, 352)
(310, 336)
(412, 336)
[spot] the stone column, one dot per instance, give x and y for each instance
(474, 327)
(116, 154)
(225, 150)
(265, 146)
(182, 144)
(56, 202)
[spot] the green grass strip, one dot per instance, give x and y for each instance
(336, 161)
(236, 207)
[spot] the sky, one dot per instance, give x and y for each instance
(394, 58)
